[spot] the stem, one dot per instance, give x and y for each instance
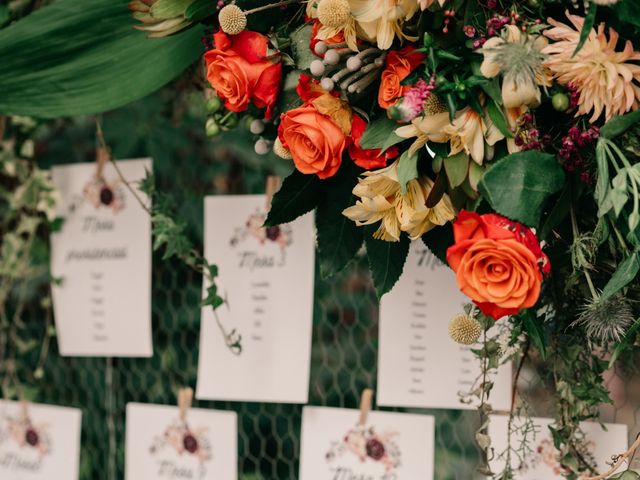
(272, 5)
(576, 233)
(620, 459)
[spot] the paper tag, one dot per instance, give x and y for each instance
(419, 365)
(391, 446)
(541, 462)
(266, 276)
(41, 446)
(160, 445)
(103, 256)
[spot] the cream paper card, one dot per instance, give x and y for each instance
(266, 276)
(159, 445)
(103, 256)
(541, 463)
(391, 446)
(419, 365)
(41, 442)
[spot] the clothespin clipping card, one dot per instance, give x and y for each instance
(24, 410)
(366, 400)
(272, 186)
(185, 397)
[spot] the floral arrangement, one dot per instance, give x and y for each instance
(504, 134)
(368, 445)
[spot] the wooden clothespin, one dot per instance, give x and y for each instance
(185, 397)
(366, 400)
(24, 410)
(272, 186)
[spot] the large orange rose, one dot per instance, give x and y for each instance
(316, 142)
(498, 263)
(240, 71)
(399, 65)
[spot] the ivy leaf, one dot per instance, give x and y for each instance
(625, 274)
(339, 238)
(380, 134)
(212, 299)
(589, 21)
(386, 260)
(518, 185)
(407, 169)
(618, 125)
(457, 168)
(298, 195)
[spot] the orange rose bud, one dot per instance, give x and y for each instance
(498, 263)
(399, 65)
(240, 71)
(315, 141)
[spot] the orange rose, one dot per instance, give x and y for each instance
(498, 263)
(399, 65)
(316, 142)
(367, 158)
(240, 71)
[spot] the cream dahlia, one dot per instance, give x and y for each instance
(605, 79)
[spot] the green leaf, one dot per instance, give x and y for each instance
(492, 88)
(198, 10)
(602, 183)
(439, 239)
(497, 117)
(625, 274)
(457, 168)
(339, 238)
(380, 134)
(386, 260)
(302, 54)
(77, 58)
(407, 169)
(627, 341)
(298, 195)
(618, 125)
(518, 185)
(169, 8)
(626, 475)
(534, 329)
(628, 11)
(589, 21)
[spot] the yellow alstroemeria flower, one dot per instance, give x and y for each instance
(382, 20)
(471, 132)
(429, 128)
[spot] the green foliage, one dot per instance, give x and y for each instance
(386, 260)
(77, 58)
(380, 133)
(407, 169)
(589, 21)
(302, 55)
(628, 11)
(298, 195)
(626, 272)
(618, 125)
(457, 168)
(438, 240)
(518, 185)
(339, 238)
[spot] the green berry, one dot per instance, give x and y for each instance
(560, 102)
(213, 104)
(212, 128)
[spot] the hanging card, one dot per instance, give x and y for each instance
(102, 255)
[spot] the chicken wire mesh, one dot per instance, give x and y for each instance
(187, 166)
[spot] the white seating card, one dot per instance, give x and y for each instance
(160, 445)
(542, 462)
(391, 446)
(41, 442)
(266, 276)
(103, 256)
(419, 365)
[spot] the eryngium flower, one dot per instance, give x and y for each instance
(606, 320)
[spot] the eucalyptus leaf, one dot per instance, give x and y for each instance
(77, 58)
(625, 274)
(457, 168)
(407, 169)
(380, 134)
(518, 185)
(386, 260)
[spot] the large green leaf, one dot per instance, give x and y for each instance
(380, 134)
(627, 272)
(629, 11)
(618, 125)
(518, 185)
(339, 238)
(298, 195)
(386, 260)
(79, 57)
